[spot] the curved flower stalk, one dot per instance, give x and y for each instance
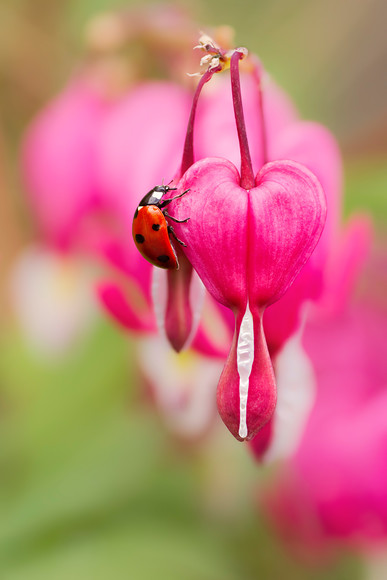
(248, 238)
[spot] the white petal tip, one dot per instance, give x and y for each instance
(243, 432)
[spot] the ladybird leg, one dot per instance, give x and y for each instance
(172, 231)
(174, 219)
(168, 201)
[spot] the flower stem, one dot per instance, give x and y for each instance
(188, 152)
(247, 174)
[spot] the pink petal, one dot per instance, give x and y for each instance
(291, 210)
(215, 237)
(334, 486)
(178, 314)
(59, 161)
(216, 329)
(313, 146)
(283, 318)
(140, 146)
(261, 398)
(178, 297)
(345, 263)
(128, 309)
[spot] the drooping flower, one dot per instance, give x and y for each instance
(248, 238)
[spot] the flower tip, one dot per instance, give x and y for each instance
(177, 341)
(216, 59)
(243, 432)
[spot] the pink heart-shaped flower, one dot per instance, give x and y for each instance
(248, 246)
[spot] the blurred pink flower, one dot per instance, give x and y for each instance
(341, 269)
(86, 163)
(59, 164)
(334, 485)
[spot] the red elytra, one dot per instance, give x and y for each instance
(151, 231)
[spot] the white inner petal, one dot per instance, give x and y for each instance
(52, 297)
(296, 387)
(245, 357)
(184, 385)
(159, 297)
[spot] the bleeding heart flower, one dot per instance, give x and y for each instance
(248, 238)
(259, 241)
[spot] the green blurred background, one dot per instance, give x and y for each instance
(92, 486)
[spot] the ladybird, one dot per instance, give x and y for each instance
(151, 231)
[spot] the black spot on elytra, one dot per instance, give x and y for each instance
(140, 239)
(156, 227)
(163, 258)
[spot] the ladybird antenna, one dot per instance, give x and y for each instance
(170, 184)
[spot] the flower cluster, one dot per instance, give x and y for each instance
(253, 236)
(262, 191)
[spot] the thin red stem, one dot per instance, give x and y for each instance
(188, 152)
(247, 173)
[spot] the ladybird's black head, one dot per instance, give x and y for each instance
(163, 188)
(153, 197)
